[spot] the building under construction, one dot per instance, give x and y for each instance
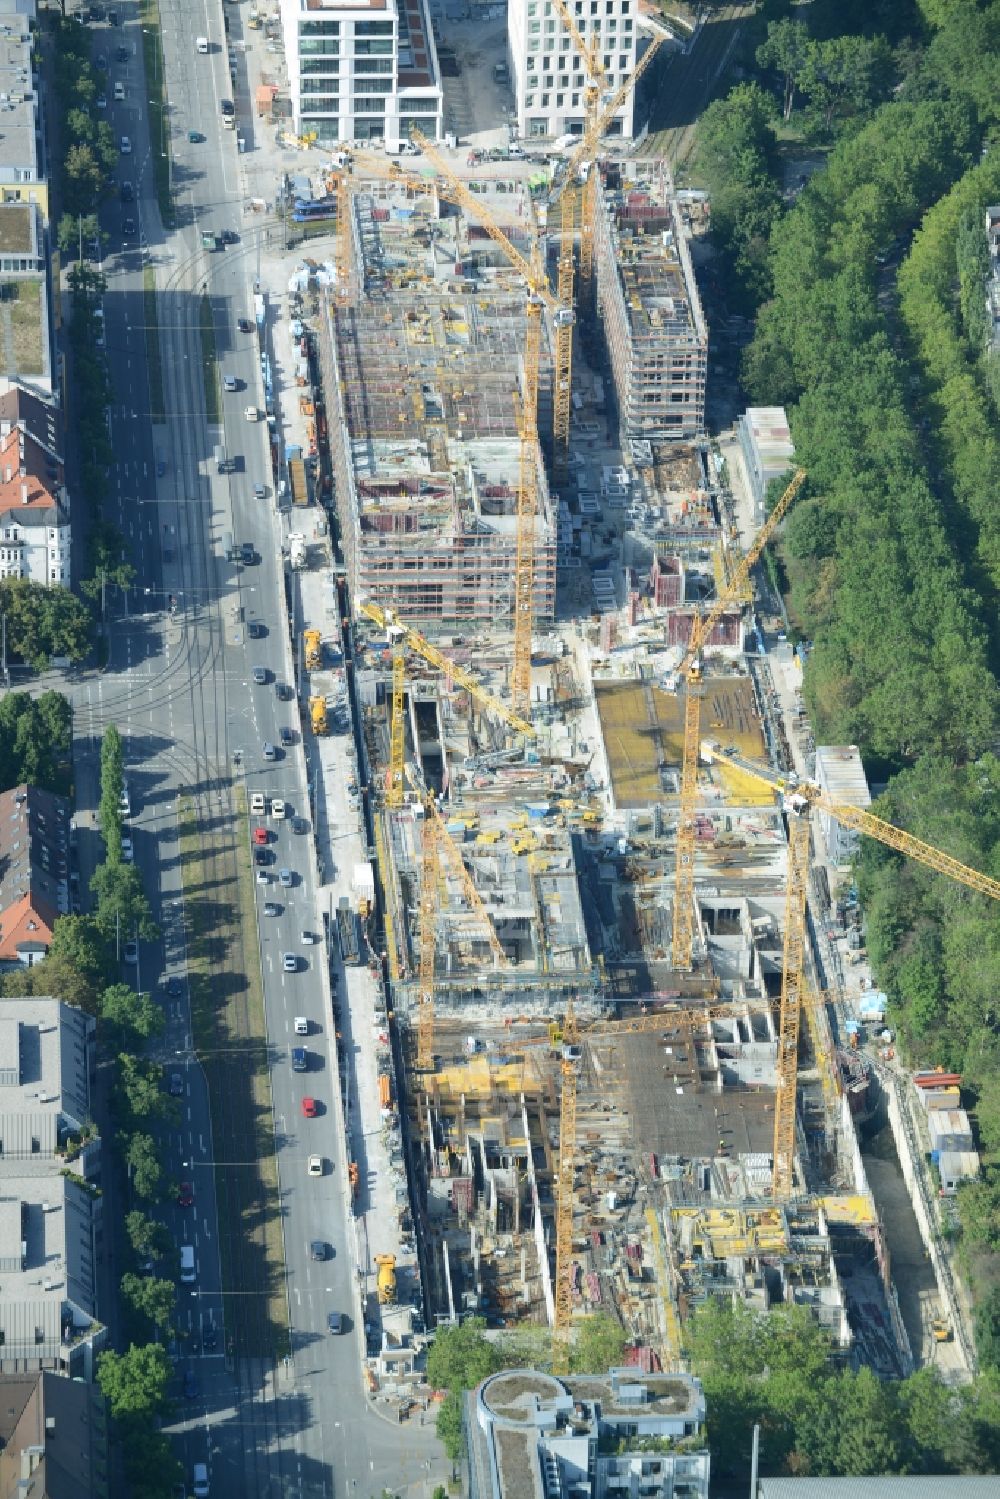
(423, 364)
(653, 326)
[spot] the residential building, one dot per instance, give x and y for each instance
(50, 1216)
(531, 1435)
(26, 352)
(548, 73)
(22, 153)
(53, 1438)
(767, 448)
(885, 1486)
(840, 773)
(361, 69)
(654, 328)
(34, 505)
(34, 871)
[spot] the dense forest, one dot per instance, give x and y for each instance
(865, 277)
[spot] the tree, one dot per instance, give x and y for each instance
(81, 179)
(79, 941)
(853, 1429)
(43, 622)
(74, 233)
(149, 1238)
(144, 1166)
(35, 740)
(150, 1297)
(106, 561)
(987, 1329)
(134, 1383)
(449, 1424)
(132, 1016)
(599, 1345)
(151, 1465)
(122, 907)
(461, 1356)
(786, 51)
(139, 1087)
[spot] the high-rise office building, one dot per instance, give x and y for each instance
(548, 73)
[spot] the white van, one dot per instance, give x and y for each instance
(201, 43)
(188, 1272)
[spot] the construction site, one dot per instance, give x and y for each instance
(620, 1068)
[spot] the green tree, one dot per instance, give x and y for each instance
(81, 179)
(122, 907)
(134, 1383)
(74, 233)
(150, 1297)
(786, 51)
(79, 941)
(139, 1087)
(461, 1356)
(107, 562)
(130, 1015)
(599, 1344)
(854, 1429)
(35, 739)
(144, 1166)
(449, 1424)
(43, 622)
(149, 1238)
(151, 1465)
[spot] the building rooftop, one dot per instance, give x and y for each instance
(840, 772)
(44, 1076)
(24, 328)
(34, 867)
(53, 1436)
(17, 228)
(653, 261)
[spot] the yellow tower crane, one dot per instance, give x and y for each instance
(799, 798)
(690, 675)
(440, 848)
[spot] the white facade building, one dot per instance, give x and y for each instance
(361, 71)
(547, 71)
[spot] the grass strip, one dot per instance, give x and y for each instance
(153, 364)
(209, 361)
(227, 1016)
(156, 98)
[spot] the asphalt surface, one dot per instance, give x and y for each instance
(179, 685)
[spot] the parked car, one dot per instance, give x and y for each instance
(125, 146)
(176, 1085)
(131, 953)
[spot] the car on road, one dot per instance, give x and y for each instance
(268, 750)
(128, 228)
(257, 802)
(190, 1385)
(335, 1323)
(122, 54)
(113, 18)
(289, 962)
(227, 107)
(256, 630)
(317, 1249)
(125, 146)
(131, 953)
(101, 63)
(199, 1481)
(284, 692)
(244, 324)
(277, 809)
(261, 837)
(174, 987)
(119, 92)
(299, 825)
(309, 1109)
(260, 675)
(287, 736)
(176, 1085)
(185, 1195)
(125, 801)
(195, 137)
(209, 1337)
(260, 492)
(230, 237)
(126, 192)
(308, 938)
(286, 878)
(315, 1165)
(271, 908)
(128, 851)
(248, 553)
(300, 1059)
(230, 382)
(262, 856)
(263, 877)
(102, 101)
(301, 1025)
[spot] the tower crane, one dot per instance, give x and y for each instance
(539, 295)
(439, 847)
(799, 798)
(690, 674)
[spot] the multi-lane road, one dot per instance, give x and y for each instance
(180, 686)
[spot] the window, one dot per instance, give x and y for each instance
(322, 104)
(319, 49)
(419, 106)
(545, 101)
(319, 28)
(320, 65)
(549, 81)
(369, 106)
(559, 100)
(316, 86)
(373, 49)
(372, 65)
(372, 85)
(373, 28)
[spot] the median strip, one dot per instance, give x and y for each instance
(209, 361)
(227, 1015)
(156, 99)
(153, 363)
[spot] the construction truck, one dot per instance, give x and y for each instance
(297, 480)
(941, 1330)
(312, 640)
(386, 1278)
(297, 552)
(347, 932)
(317, 715)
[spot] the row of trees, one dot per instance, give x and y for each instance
(36, 736)
(89, 152)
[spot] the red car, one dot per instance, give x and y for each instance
(260, 837)
(309, 1108)
(185, 1195)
